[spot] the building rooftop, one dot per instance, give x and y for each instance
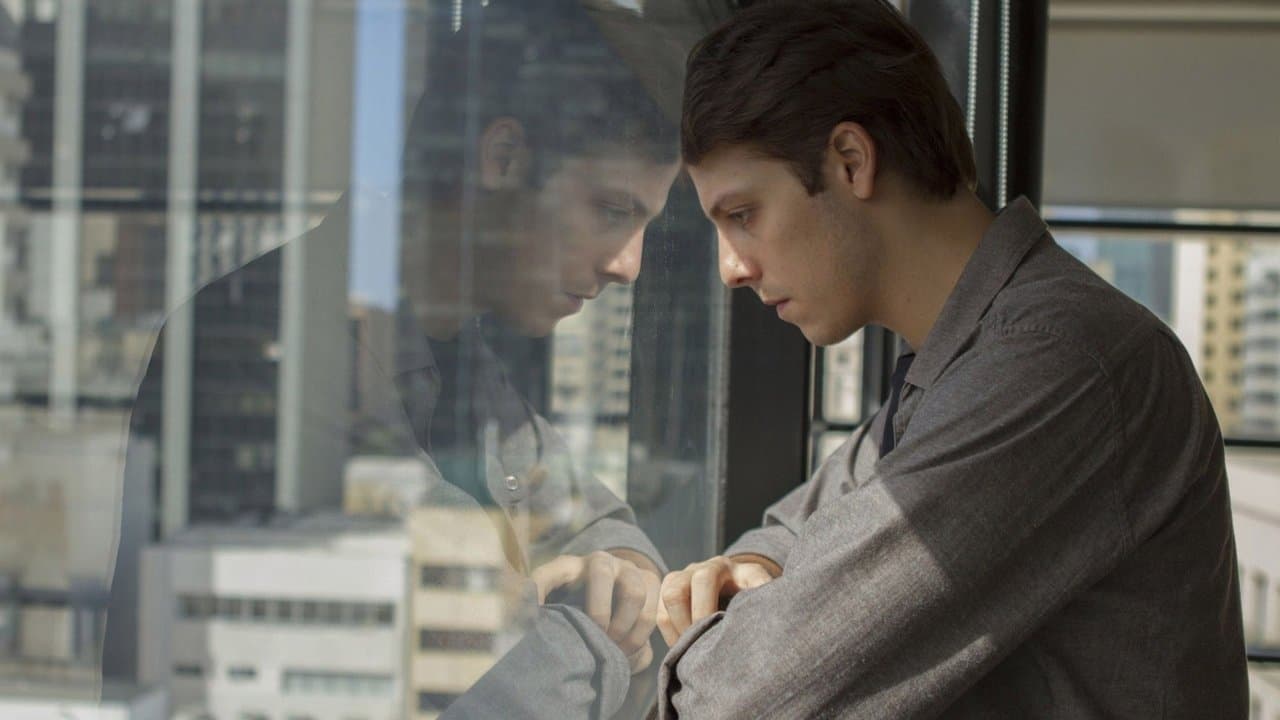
(320, 530)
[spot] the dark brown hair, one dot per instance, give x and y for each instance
(778, 76)
(548, 65)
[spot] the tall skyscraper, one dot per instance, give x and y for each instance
(123, 119)
(1258, 364)
(1225, 324)
(591, 384)
(186, 150)
(22, 355)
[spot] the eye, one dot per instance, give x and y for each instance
(614, 215)
(741, 217)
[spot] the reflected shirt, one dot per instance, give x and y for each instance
(1050, 536)
(552, 661)
(483, 437)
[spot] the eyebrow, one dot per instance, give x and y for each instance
(717, 208)
(622, 197)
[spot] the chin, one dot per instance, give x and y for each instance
(535, 327)
(824, 337)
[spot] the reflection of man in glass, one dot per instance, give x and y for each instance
(532, 165)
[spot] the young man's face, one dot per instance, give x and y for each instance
(547, 250)
(814, 257)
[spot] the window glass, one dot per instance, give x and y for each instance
(839, 394)
(1226, 321)
(1156, 146)
(331, 324)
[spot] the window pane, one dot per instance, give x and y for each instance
(1124, 145)
(1221, 295)
(362, 283)
(842, 381)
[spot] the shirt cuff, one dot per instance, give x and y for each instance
(668, 677)
(614, 674)
(773, 542)
(610, 534)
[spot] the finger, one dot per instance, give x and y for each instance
(704, 591)
(643, 628)
(640, 659)
(628, 601)
(750, 575)
(564, 570)
(675, 597)
(601, 572)
(669, 634)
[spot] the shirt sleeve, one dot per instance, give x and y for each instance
(588, 516)
(784, 519)
(564, 667)
(997, 507)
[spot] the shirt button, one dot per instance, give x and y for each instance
(512, 483)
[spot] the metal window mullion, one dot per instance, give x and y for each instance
(68, 136)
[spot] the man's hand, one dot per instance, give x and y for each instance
(621, 596)
(694, 593)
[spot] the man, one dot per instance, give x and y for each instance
(532, 165)
(1037, 524)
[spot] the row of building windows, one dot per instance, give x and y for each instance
(305, 682)
(435, 702)
(1263, 397)
(1262, 371)
(308, 682)
(285, 611)
(455, 640)
(1210, 300)
(1237, 270)
(1210, 376)
(454, 577)
(1237, 245)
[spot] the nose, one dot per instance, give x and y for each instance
(624, 266)
(735, 270)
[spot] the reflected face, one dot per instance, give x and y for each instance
(548, 250)
(813, 257)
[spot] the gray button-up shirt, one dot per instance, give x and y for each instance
(526, 468)
(1050, 537)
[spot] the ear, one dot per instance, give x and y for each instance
(851, 154)
(504, 155)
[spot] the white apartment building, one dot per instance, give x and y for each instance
(1255, 495)
(1261, 360)
(55, 702)
(306, 619)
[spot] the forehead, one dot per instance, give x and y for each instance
(617, 170)
(729, 172)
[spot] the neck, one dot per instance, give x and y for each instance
(928, 245)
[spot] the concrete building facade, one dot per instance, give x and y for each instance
(300, 619)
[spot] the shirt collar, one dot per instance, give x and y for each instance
(1011, 235)
(416, 351)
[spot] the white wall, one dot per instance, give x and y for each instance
(147, 705)
(1255, 498)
